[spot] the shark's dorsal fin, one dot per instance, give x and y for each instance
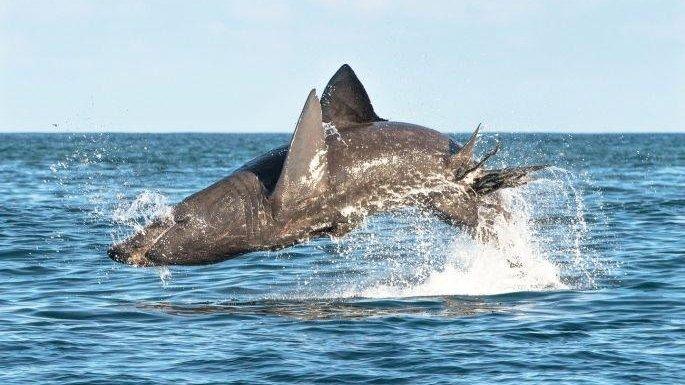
(305, 170)
(344, 101)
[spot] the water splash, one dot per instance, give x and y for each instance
(133, 215)
(88, 173)
(539, 247)
(165, 275)
(475, 268)
(542, 248)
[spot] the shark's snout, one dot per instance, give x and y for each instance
(117, 253)
(136, 249)
(121, 253)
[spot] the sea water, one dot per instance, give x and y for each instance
(586, 283)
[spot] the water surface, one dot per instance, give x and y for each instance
(589, 287)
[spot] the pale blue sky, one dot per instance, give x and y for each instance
(216, 66)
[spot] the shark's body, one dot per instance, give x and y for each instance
(343, 163)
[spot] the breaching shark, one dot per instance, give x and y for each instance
(343, 163)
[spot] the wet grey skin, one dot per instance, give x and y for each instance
(342, 164)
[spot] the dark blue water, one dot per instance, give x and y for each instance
(589, 286)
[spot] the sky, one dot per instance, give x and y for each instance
(221, 66)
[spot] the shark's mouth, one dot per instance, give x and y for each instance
(134, 258)
(134, 250)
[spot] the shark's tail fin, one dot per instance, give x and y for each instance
(474, 207)
(478, 209)
(485, 181)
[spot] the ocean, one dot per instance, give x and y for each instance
(587, 287)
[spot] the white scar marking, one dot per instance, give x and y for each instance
(317, 166)
(348, 210)
(372, 163)
(329, 130)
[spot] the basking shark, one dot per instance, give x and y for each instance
(343, 163)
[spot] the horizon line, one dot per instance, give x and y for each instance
(289, 132)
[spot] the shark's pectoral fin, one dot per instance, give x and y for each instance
(344, 101)
(305, 170)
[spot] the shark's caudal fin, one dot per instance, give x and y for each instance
(305, 171)
(344, 101)
(487, 181)
(464, 210)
